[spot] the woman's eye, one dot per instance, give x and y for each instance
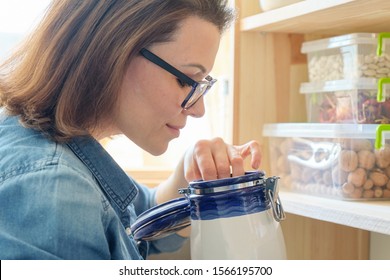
(181, 83)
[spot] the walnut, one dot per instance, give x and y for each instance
(378, 178)
(386, 193)
(387, 171)
(357, 177)
(339, 177)
(366, 159)
(345, 143)
(378, 192)
(348, 188)
(357, 193)
(382, 157)
(368, 194)
(368, 184)
(348, 160)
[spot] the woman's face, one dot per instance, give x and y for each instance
(149, 110)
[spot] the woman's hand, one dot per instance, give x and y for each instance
(214, 159)
(209, 160)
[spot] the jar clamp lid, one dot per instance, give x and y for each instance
(250, 179)
(174, 215)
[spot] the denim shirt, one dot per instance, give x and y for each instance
(68, 201)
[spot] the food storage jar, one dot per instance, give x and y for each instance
(348, 101)
(349, 56)
(233, 218)
(342, 161)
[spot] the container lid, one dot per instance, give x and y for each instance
(250, 179)
(339, 85)
(321, 130)
(162, 220)
(339, 41)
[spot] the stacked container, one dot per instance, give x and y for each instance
(342, 151)
(347, 101)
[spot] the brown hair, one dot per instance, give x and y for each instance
(66, 76)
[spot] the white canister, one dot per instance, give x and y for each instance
(236, 218)
(233, 218)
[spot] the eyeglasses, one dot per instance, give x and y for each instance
(198, 89)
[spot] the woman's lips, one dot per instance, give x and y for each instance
(175, 130)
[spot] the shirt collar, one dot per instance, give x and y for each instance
(117, 185)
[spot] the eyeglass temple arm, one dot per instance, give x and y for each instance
(155, 59)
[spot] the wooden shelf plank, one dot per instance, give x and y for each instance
(372, 216)
(323, 17)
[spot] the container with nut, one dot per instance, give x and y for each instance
(350, 56)
(330, 160)
(348, 101)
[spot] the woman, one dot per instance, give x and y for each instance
(90, 70)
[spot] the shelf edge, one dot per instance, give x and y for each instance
(370, 216)
(256, 22)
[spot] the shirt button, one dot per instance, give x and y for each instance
(128, 231)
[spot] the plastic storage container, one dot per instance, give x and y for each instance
(267, 5)
(348, 101)
(348, 56)
(331, 160)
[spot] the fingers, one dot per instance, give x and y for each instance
(253, 149)
(214, 159)
(239, 153)
(236, 161)
(221, 158)
(204, 160)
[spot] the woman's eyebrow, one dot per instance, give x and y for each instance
(199, 66)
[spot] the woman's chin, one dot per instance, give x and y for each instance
(157, 151)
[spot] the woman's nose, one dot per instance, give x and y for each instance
(197, 110)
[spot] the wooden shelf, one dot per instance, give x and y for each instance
(367, 215)
(268, 71)
(323, 17)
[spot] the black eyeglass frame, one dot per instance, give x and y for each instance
(181, 76)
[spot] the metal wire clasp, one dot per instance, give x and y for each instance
(272, 195)
(277, 208)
